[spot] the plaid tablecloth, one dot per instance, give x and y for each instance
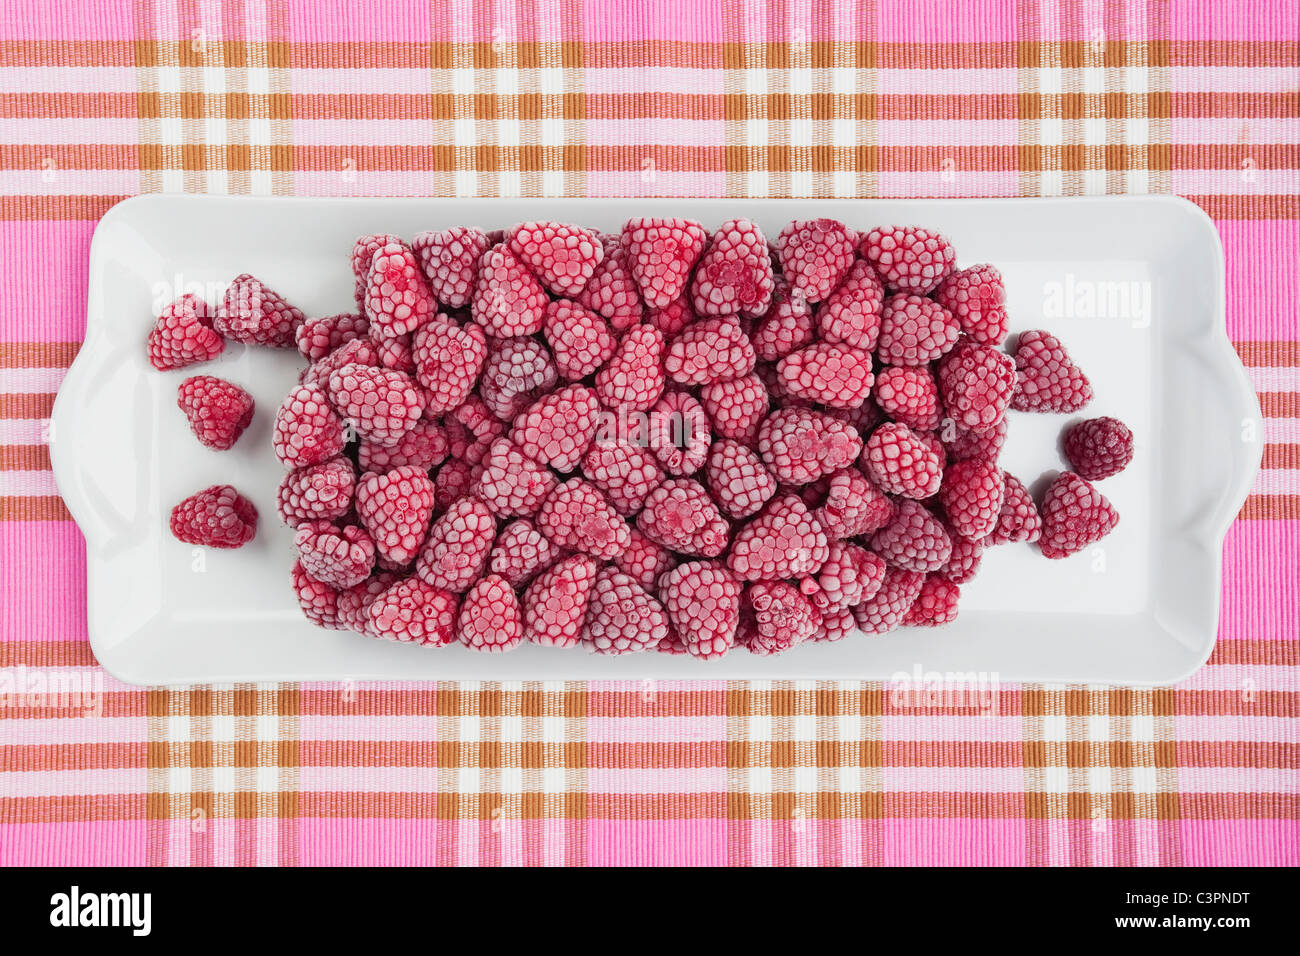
(99, 101)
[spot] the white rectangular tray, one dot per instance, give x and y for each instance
(1142, 607)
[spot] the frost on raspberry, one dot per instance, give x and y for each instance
(851, 314)
(734, 276)
(448, 359)
(971, 495)
(356, 352)
(964, 561)
(612, 292)
(833, 625)
(673, 317)
(1018, 518)
(834, 375)
(850, 575)
(679, 433)
(710, 350)
(908, 259)
(512, 484)
(815, 255)
(914, 540)
(882, 612)
(1075, 515)
(661, 254)
(800, 445)
(318, 600)
(363, 251)
(306, 429)
(490, 618)
(555, 604)
(643, 560)
(183, 335)
(458, 545)
(784, 541)
(622, 617)
(783, 617)
(424, 446)
(557, 429)
(516, 374)
(977, 298)
(381, 404)
(218, 517)
(702, 599)
(624, 471)
(450, 259)
(851, 505)
(339, 556)
(977, 382)
(787, 327)
(961, 443)
(901, 462)
(909, 394)
(935, 604)
(319, 337)
(413, 612)
(314, 492)
(737, 407)
(563, 257)
(634, 378)
(914, 330)
(520, 552)
(1046, 378)
(395, 507)
(252, 312)
(1098, 448)
(576, 517)
(218, 411)
(737, 479)
(680, 515)
(579, 339)
(452, 482)
(507, 299)
(398, 298)
(354, 602)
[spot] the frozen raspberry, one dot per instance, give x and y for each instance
(424, 446)
(977, 382)
(710, 350)
(671, 644)
(395, 507)
(354, 603)
(562, 257)
(852, 506)
(219, 517)
(447, 359)
(482, 425)
(306, 430)
(901, 463)
(453, 481)
(363, 251)
(909, 394)
(253, 313)
(622, 618)
(907, 258)
(935, 604)
(413, 612)
(458, 545)
(1098, 448)
(736, 408)
(673, 317)
(396, 353)
(340, 557)
(863, 418)
(557, 428)
(317, 338)
(679, 433)
(633, 379)
(183, 335)
(783, 618)
(319, 601)
(382, 405)
(1018, 519)
(580, 340)
(316, 492)
(576, 516)
(883, 612)
(788, 326)
(1046, 379)
(833, 625)
(624, 471)
(735, 273)
(964, 562)
(490, 618)
(915, 539)
(612, 292)
(643, 560)
(851, 314)
(520, 552)
(679, 515)
(702, 599)
(965, 444)
(661, 254)
(356, 352)
(511, 483)
(815, 255)
(977, 299)
(971, 495)
(507, 299)
(555, 604)
(834, 375)
(398, 298)
(450, 261)
(737, 479)
(800, 445)
(851, 575)
(914, 330)
(1075, 515)
(784, 541)
(218, 411)
(516, 374)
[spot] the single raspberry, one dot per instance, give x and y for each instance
(622, 618)
(363, 251)
(1075, 515)
(736, 408)
(908, 259)
(909, 394)
(633, 379)
(453, 481)
(852, 506)
(580, 340)
(319, 601)
(563, 257)
(557, 428)
(643, 560)
(253, 313)
(1098, 448)
(413, 612)
(815, 255)
(784, 541)
(851, 314)
(971, 495)
(977, 382)
(395, 507)
(219, 517)
(516, 374)
(977, 298)
(340, 557)
(520, 552)
(511, 483)
(450, 261)
(710, 350)
(901, 463)
(1046, 379)
(354, 603)
(612, 293)
(447, 359)
(306, 430)
(935, 604)
(679, 515)
(490, 618)
(507, 299)
(396, 353)
(382, 405)
(737, 479)
(884, 611)
(834, 625)
(577, 517)
(424, 446)
(673, 317)
(702, 599)
(316, 492)
(218, 411)
(788, 326)
(800, 445)
(960, 443)
(964, 562)
(735, 273)
(851, 575)
(458, 545)
(661, 254)
(398, 298)
(915, 539)
(783, 618)
(624, 471)
(356, 352)
(834, 375)
(914, 330)
(183, 335)
(679, 433)
(555, 604)
(1018, 519)
(317, 338)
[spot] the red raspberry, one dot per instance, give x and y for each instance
(490, 618)
(735, 273)
(1018, 519)
(511, 483)
(710, 350)
(977, 382)
(884, 611)
(363, 251)
(702, 599)
(481, 424)
(964, 562)
(447, 359)
(356, 352)
(1046, 379)
(555, 604)
(317, 338)
(977, 299)
(382, 405)
(671, 644)
(634, 378)
(783, 618)
(580, 340)
(736, 408)
(183, 335)
(219, 517)
(1075, 515)
(520, 552)
(673, 317)
(316, 492)
(909, 259)
(507, 299)
(354, 603)
(562, 257)
(339, 557)
(424, 446)
(612, 291)
(788, 326)
(738, 481)
(643, 560)
(661, 254)
(679, 433)
(622, 618)
(815, 255)
(915, 330)
(398, 299)
(784, 541)
(834, 626)
(306, 430)
(851, 575)
(515, 375)
(935, 604)
(971, 495)
(1098, 448)
(833, 375)
(557, 429)
(800, 445)
(395, 508)
(915, 539)
(454, 481)
(450, 261)
(577, 517)
(967, 444)
(253, 313)
(909, 394)
(852, 506)
(901, 463)
(458, 545)
(413, 612)
(396, 353)
(851, 314)
(625, 472)
(319, 601)
(679, 515)
(218, 411)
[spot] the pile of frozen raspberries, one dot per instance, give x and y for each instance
(658, 440)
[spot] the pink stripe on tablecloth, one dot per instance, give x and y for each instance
(74, 843)
(656, 842)
(56, 257)
(616, 21)
(333, 21)
(351, 841)
(1234, 130)
(951, 180)
(66, 20)
(1234, 20)
(1263, 286)
(1228, 842)
(1260, 558)
(940, 21)
(927, 842)
(45, 592)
